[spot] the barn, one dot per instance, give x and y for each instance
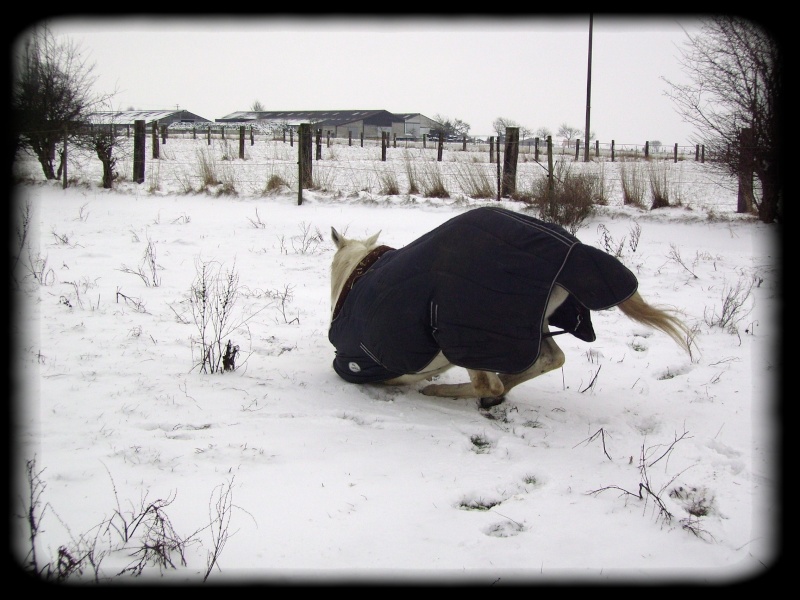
(341, 123)
(129, 117)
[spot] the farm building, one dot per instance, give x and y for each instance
(341, 123)
(129, 117)
(417, 125)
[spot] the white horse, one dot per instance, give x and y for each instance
(354, 258)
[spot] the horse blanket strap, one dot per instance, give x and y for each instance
(476, 288)
(360, 269)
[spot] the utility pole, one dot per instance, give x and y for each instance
(588, 95)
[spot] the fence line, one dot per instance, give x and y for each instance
(255, 134)
(341, 168)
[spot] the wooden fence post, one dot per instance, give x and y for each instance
(647, 149)
(362, 139)
(304, 156)
(139, 149)
(676, 151)
(209, 135)
(577, 149)
(252, 137)
(597, 148)
(491, 149)
(155, 139)
(744, 197)
(510, 158)
(440, 148)
(464, 143)
(64, 161)
(536, 149)
(499, 184)
(612, 150)
(319, 144)
(551, 184)
(241, 142)
(383, 146)
(163, 134)
(424, 140)
(349, 138)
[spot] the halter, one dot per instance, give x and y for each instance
(356, 273)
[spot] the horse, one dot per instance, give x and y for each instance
(481, 291)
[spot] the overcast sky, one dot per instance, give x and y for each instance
(528, 68)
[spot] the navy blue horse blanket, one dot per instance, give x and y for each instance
(475, 288)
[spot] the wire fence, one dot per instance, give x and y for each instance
(193, 160)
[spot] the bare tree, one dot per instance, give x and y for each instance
(51, 94)
(451, 127)
(736, 81)
(257, 106)
(105, 141)
(501, 123)
(568, 132)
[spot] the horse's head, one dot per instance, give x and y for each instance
(348, 254)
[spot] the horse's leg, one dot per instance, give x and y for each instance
(491, 387)
(482, 384)
(551, 357)
(437, 366)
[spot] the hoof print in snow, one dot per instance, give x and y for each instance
(670, 373)
(697, 501)
(480, 443)
(477, 504)
(504, 529)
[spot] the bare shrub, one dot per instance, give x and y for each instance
(617, 247)
(257, 222)
(675, 255)
(206, 167)
(228, 150)
(734, 305)
(154, 177)
(571, 201)
(659, 184)
(411, 174)
(274, 184)
(228, 182)
(647, 490)
(389, 184)
(144, 534)
(475, 180)
(632, 184)
(307, 242)
(148, 269)
(212, 299)
(432, 181)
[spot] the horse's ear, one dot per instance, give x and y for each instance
(336, 237)
(372, 240)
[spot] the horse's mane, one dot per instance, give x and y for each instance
(348, 254)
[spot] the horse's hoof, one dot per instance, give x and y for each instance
(490, 402)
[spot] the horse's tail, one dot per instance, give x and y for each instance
(637, 309)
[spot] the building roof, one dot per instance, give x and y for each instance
(129, 117)
(341, 116)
